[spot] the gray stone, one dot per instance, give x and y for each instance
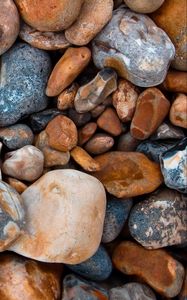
(167, 131)
(132, 291)
(127, 142)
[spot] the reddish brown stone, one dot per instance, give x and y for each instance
(178, 111)
(86, 132)
(110, 122)
(66, 98)
(127, 143)
(19, 186)
(176, 82)
(84, 159)
(151, 109)
(99, 143)
(157, 268)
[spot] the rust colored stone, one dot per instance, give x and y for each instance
(151, 109)
(99, 143)
(86, 132)
(84, 159)
(178, 111)
(71, 64)
(19, 186)
(176, 81)
(62, 133)
(109, 122)
(67, 97)
(156, 267)
(128, 174)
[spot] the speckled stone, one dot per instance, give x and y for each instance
(167, 131)
(173, 166)
(160, 220)
(98, 267)
(117, 212)
(99, 143)
(132, 44)
(24, 73)
(132, 291)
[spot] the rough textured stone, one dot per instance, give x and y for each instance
(144, 6)
(109, 122)
(67, 97)
(160, 220)
(127, 142)
(132, 44)
(69, 206)
(23, 76)
(166, 131)
(178, 111)
(96, 91)
(11, 215)
(132, 291)
(176, 81)
(86, 132)
(84, 159)
(99, 143)
(18, 185)
(128, 174)
(156, 267)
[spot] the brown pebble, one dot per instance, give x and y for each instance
(109, 122)
(86, 132)
(99, 143)
(144, 6)
(96, 112)
(178, 111)
(67, 97)
(19, 186)
(127, 143)
(84, 159)
(176, 81)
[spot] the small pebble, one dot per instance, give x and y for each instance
(84, 159)
(86, 132)
(99, 143)
(127, 142)
(178, 111)
(67, 97)
(109, 122)
(175, 81)
(18, 185)
(78, 118)
(144, 6)
(167, 131)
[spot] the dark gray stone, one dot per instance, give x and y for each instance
(127, 142)
(167, 131)
(132, 291)
(78, 118)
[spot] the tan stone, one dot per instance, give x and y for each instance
(86, 132)
(71, 64)
(19, 186)
(109, 122)
(84, 159)
(178, 111)
(99, 143)
(144, 6)
(176, 81)
(183, 293)
(67, 97)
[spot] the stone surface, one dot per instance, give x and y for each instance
(16, 136)
(24, 72)
(183, 293)
(18, 185)
(160, 220)
(176, 81)
(67, 97)
(69, 206)
(55, 15)
(94, 15)
(62, 133)
(98, 267)
(25, 163)
(173, 166)
(144, 6)
(84, 159)
(86, 132)
(117, 212)
(12, 216)
(178, 111)
(71, 64)
(155, 267)
(26, 279)
(9, 25)
(99, 143)
(132, 44)
(109, 122)
(132, 291)
(96, 91)
(127, 142)
(128, 174)
(78, 118)
(167, 131)
(151, 109)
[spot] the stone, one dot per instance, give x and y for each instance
(117, 212)
(160, 220)
(78, 118)
(151, 109)
(178, 111)
(98, 267)
(155, 267)
(135, 47)
(9, 25)
(62, 133)
(24, 72)
(67, 97)
(124, 100)
(71, 64)
(167, 131)
(45, 40)
(128, 174)
(84, 159)
(69, 206)
(96, 91)
(94, 15)
(99, 143)
(183, 293)
(96, 112)
(127, 143)
(16, 136)
(176, 81)
(144, 6)
(75, 288)
(173, 166)
(175, 28)
(109, 122)
(27, 279)
(86, 132)
(12, 215)
(25, 163)
(18, 185)
(132, 291)
(54, 16)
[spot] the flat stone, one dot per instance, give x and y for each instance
(178, 111)
(132, 291)
(99, 143)
(109, 122)
(144, 6)
(167, 131)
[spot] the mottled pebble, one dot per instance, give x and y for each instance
(99, 143)
(109, 122)
(167, 131)
(84, 159)
(78, 118)
(127, 142)
(178, 111)
(67, 97)
(175, 81)
(86, 132)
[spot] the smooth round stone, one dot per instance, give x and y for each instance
(117, 212)
(24, 73)
(16, 136)
(99, 143)
(127, 142)
(144, 6)
(178, 111)
(133, 45)
(65, 212)
(12, 217)
(98, 267)
(167, 131)
(160, 220)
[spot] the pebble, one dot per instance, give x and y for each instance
(160, 220)
(96, 112)
(98, 267)
(71, 64)
(18, 185)
(67, 97)
(12, 216)
(167, 131)
(109, 122)
(117, 212)
(183, 293)
(173, 166)
(78, 118)
(178, 111)
(144, 6)
(62, 133)
(96, 91)
(9, 24)
(84, 159)
(22, 82)
(127, 142)
(26, 279)
(16, 136)
(132, 291)
(99, 144)
(128, 174)
(25, 163)
(94, 15)
(175, 81)
(151, 109)
(85, 133)
(133, 45)
(155, 267)
(56, 204)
